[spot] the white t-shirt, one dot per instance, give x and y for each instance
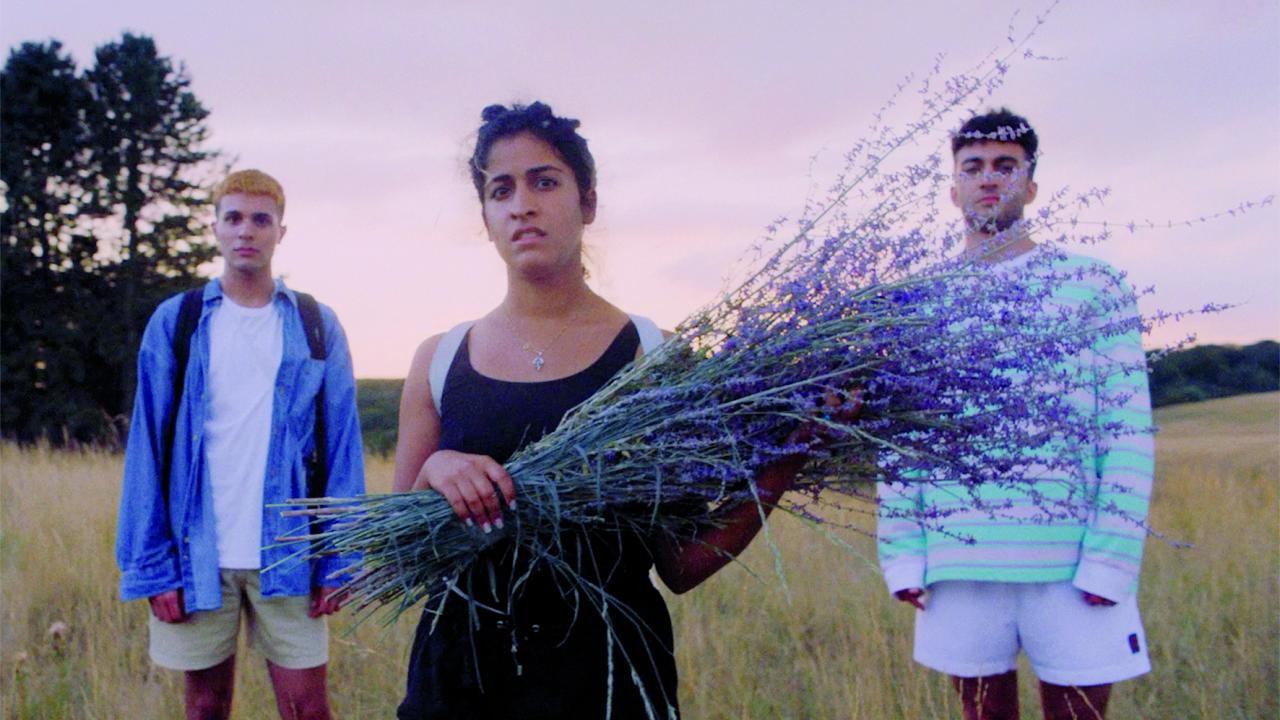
(245, 347)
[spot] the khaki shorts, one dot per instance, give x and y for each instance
(277, 626)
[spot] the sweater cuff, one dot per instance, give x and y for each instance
(1104, 581)
(903, 575)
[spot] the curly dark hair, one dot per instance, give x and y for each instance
(559, 132)
(1000, 125)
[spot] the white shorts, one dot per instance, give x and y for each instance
(975, 629)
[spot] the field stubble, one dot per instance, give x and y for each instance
(838, 647)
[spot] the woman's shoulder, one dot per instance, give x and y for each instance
(650, 333)
(602, 312)
(416, 380)
(427, 349)
(611, 315)
(425, 372)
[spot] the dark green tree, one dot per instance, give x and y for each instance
(147, 131)
(105, 174)
(47, 250)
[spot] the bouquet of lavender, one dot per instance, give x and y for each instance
(960, 370)
(951, 363)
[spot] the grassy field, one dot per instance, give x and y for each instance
(839, 648)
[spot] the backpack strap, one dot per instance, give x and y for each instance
(312, 324)
(650, 334)
(443, 358)
(318, 463)
(188, 318)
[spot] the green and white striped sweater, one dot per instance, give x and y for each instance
(1094, 534)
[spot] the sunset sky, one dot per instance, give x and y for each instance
(705, 119)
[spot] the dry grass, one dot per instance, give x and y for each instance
(839, 649)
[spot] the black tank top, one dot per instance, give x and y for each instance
(529, 646)
(486, 416)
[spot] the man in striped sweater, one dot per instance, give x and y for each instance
(991, 571)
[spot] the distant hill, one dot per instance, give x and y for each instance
(1198, 373)
(1215, 371)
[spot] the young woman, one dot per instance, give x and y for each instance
(510, 643)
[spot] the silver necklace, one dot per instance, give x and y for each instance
(539, 358)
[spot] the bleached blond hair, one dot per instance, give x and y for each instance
(249, 182)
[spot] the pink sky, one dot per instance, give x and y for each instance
(703, 118)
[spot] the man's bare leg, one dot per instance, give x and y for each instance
(208, 692)
(1072, 702)
(992, 697)
(300, 694)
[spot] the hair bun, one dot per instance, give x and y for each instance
(493, 112)
(539, 110)
(536, 113)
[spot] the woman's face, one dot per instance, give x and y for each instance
(532, 208)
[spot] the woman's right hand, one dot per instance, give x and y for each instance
(468, 482)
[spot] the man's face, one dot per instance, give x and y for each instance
(992, 185)
(248, 229)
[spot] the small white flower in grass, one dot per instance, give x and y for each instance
(58, 632)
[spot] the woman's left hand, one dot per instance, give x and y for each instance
(839, 406)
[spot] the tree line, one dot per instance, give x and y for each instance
(105, 174)
(1213, 371)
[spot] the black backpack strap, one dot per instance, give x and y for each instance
(312, 323)
(318, 463)
(188, 318)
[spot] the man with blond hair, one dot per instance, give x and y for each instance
(245, 399)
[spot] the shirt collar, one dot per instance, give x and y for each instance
(213, 291)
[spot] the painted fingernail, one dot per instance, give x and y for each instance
(497, 522)
(512, 505)
(486, 528)
(468, 523)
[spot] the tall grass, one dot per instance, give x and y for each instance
(839, 648)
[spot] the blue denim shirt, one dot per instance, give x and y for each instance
(158, 553)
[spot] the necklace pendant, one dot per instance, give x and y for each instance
(538, 362)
